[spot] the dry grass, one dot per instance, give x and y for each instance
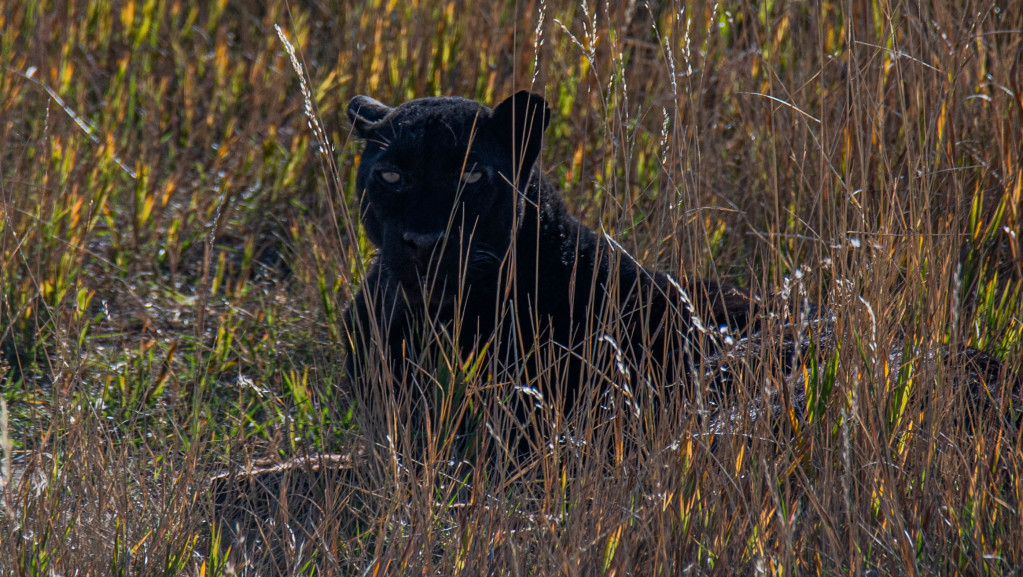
(176, 248)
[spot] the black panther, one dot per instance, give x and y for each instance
(477, 249)
(474, 242)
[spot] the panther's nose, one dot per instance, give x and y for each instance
(422, 244)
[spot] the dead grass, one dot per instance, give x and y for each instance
(176, 248)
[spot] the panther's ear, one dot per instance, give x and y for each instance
(364, 112)
(520, 121)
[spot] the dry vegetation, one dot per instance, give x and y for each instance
(177, 245)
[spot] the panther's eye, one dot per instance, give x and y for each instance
(472, 177)
(390, 177)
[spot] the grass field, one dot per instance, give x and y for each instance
(177, 244)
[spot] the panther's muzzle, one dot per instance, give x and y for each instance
(423, 247)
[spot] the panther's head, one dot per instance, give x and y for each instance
(440, 182)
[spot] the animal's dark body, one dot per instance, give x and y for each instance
(474, 242)
(476, 248)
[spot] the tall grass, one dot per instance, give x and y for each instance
(177, 249)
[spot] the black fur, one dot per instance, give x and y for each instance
(476, 246)
(473, 241)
